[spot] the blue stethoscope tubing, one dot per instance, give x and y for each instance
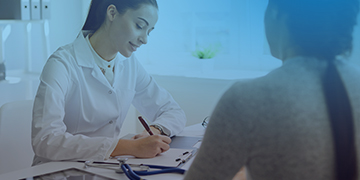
(129, 172)
(134, 175)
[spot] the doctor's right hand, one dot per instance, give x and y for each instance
(146, 147)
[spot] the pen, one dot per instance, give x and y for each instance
(146, 126)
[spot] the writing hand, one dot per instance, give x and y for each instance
(144, 147)
(146, 134)
(151, 146)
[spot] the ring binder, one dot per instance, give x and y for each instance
(35, 9)
(45, 9)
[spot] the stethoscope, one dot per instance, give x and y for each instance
(135, 175)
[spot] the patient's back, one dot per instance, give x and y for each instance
(284, 116)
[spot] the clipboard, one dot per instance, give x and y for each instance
(180, 142)
(182, 148)
(174, 157)
(185, 142)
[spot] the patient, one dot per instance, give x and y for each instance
(301, 121)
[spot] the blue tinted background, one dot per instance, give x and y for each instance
(237, 25)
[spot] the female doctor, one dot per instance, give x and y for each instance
(87, 87)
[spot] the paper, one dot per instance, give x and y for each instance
(128, 136)
(172, 158)
(197, 145)
(182, 148)
(180, 142)
(184, 142)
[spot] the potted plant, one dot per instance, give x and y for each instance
(206, 56)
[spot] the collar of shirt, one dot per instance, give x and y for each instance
(83, 52)
(102, 63)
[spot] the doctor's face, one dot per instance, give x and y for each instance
(130, 30)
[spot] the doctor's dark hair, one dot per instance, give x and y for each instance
(323, 29)
(98, 8)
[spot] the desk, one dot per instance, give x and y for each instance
(194, 130)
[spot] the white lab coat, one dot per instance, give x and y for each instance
(77, 113)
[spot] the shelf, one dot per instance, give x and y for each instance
(13, 21)
(213, 74)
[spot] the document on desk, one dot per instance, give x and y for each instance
(173, 157)
(180, 142)
(182, 148)
(184, 142)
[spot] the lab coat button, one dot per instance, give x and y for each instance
(111, 122)
(110, 92)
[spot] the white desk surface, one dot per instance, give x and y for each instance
(194, 130)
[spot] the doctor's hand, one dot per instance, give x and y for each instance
(145, 147)
(151, 146)
(146, 134)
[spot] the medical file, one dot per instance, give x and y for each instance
(182, 149)
(181, 142)
(172, 158)
(184, 142)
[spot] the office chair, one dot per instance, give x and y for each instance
(15, 136)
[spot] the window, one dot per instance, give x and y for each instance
(233, 27)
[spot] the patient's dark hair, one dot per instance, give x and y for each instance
(98, 8)
(320, 28)
(323, 29)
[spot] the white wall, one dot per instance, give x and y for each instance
(67, 17)
(182, 25)
(237, 25)
(196, 96)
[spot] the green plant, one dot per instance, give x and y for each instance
(207, 52)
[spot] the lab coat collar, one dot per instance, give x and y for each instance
(83, 53)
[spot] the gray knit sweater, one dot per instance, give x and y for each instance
(277, 126)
